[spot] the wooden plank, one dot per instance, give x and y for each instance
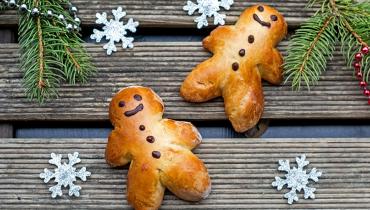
(163, 66)
(242, 171)
(6, 130)
(164, 13)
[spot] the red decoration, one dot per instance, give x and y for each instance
(367, 92)
(358, 57)
(365, 50)
(359, 75)
(363, 84)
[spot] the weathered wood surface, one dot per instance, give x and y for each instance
(169, 13)
(163, 66)
(241, 170)
(6, 130)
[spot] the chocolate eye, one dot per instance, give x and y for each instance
(121, 104)
(274, 18)
(138, 97)
(260, 8)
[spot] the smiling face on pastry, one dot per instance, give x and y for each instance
(267, 18)
(134, 102)
(263, 23)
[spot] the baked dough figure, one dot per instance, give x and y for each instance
(159, 150)
(243, 54)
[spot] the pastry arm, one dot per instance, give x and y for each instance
(116, 152)
(185, 134)
(271, 69)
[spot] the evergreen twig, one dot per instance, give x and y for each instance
(313, 44)
(50, 54)
(309, 49)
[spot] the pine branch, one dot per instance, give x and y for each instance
(355, 33)
(313, 44)
(324, 4)
(77, 63)
(59, 54)
(2, 6)
(41, 71)
(310, 49)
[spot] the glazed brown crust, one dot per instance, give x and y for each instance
(180, 179)
(242, 55)
(137, 136)
(144, 188)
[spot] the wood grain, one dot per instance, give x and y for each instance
(6, 130)
(242, 171)
(169, 13)
(163, 66)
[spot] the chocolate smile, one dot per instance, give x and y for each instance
(138, 109)
(263, 23)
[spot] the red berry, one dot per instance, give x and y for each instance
(357, 65)
(367, 92)
(363, 84)
(359, 75)
(365, 50)
(358, 57)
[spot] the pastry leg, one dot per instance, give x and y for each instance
(144, 189)
(186, 176)
(244, 102)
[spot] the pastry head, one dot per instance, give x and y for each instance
(133, 103)
(265, 18)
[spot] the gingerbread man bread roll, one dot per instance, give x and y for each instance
(158, 150)
(243, 54)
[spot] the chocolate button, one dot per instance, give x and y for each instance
(142, 127)
(150, 139)
(260, 8)
(250, 39)
(156, 154)
(235, 66)
(242, 52)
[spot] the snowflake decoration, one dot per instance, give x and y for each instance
(208, 8)
(296, 179)
(65, 174)
(114, 30)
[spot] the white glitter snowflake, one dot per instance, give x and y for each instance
(296, 179)
(114, 30)
(208, 8)
(65, 174)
